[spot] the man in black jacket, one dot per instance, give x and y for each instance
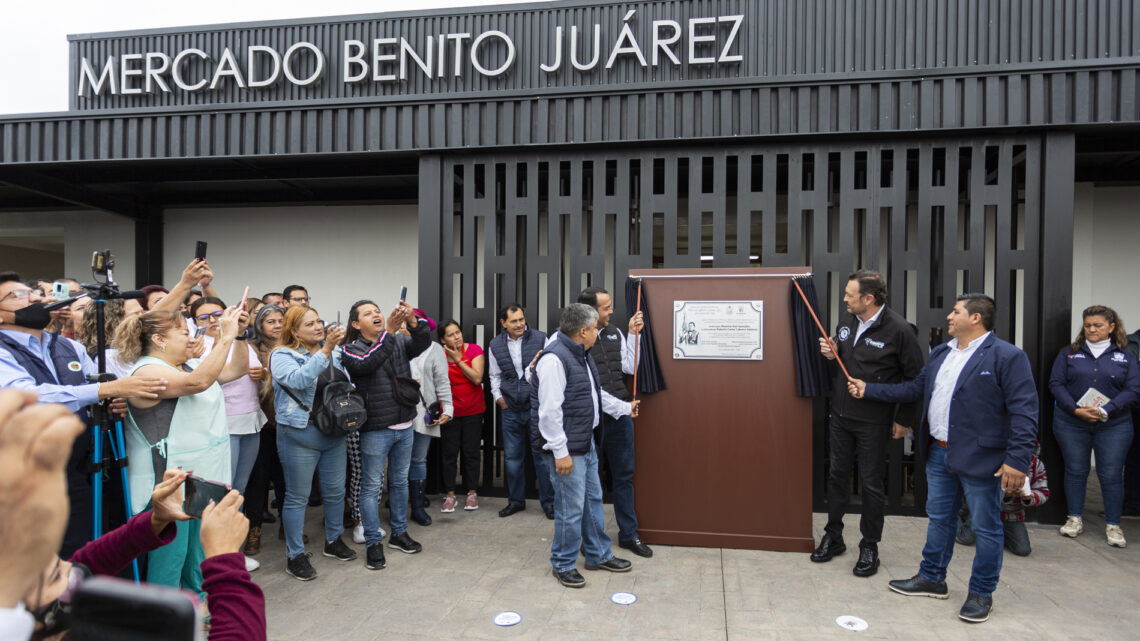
(374, 354)
(876, 344)
(614, 355)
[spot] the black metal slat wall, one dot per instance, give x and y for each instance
(937, 217)
(1106, 96)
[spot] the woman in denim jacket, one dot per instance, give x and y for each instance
(302, 355)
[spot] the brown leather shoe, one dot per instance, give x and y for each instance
(253, 541)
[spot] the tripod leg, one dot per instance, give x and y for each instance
(119, 453)
(96, 482)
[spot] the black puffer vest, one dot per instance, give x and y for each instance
(607, 354)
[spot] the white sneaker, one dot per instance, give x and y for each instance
(252, 564)
(1072, 527)
(1115, 536)
(358, 533)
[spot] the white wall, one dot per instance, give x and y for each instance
(1106, 252)
(341, 253)
(83, 232)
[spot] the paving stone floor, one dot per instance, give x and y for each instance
(475, 565)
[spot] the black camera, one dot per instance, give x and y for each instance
(434, 412)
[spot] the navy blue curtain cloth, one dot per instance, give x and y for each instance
(649, 376)
(812, 373)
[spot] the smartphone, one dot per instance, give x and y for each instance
(59, 291)
(199, 492)
(112, 609)
(200, 250)
(403, 293)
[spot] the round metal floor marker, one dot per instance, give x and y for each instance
(623, 598)
(507, 618)
(847, 622)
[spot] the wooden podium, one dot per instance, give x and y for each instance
(724, 453)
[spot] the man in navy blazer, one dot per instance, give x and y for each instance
(981, 419)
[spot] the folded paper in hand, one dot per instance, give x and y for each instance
(1093, 398)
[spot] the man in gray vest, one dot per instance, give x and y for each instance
(511, 352)
(566, 405)
(614, 355)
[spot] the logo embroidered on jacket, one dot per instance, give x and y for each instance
(844, 333)
(1077, 355)
(74, 366)
(611, 337)
(1118, 357)
(986, 372)
(872, 343)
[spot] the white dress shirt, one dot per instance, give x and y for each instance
(514, 346)
(551, 394)
(863, 326)
(944, 383)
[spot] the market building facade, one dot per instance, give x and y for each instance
(526, 151)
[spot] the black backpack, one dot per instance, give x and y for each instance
(338, 409)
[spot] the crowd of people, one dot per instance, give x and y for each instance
(231, 392)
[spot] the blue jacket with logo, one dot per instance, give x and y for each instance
(1114, 374)
(993, 412)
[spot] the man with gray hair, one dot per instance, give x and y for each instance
(566, 405)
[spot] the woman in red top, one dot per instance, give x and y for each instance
(464, 432)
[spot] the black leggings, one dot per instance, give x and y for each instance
(266, 469)
(461, 434)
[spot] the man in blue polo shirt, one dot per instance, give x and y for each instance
(981, 412)
(56, 368)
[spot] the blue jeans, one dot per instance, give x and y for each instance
(945, 491)
(243, 453)
(303, 451)
(378, 447)
(420, 445)
(579, 519)
(516, 431)
(617, 444)
(1110, 441)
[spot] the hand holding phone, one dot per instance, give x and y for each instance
(403, 294)
(199, 493)
(200, 250)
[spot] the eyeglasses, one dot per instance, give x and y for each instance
(17, 294)
(206, 317)
(55, 616)
(301, 299)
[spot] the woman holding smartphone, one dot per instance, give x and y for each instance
(302, 355)
(184, 427)
(267, 325)
(243, 413)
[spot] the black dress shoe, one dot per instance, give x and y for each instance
(868, 563)
(976, 609)
(268, 518)
(570, 578)
(613, 565)
(829, 546)
(549, 511)
(512, 508)
(637, 547)
(918, 586)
